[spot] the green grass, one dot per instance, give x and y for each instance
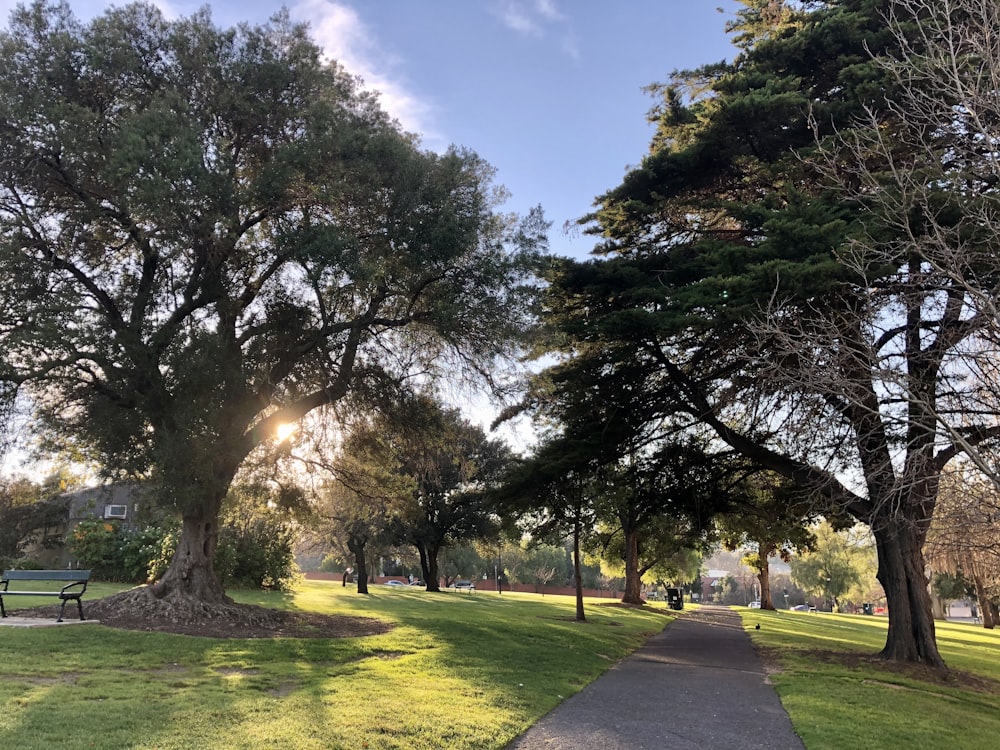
(839, 697)
(457, 671)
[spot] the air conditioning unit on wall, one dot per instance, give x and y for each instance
(115, 511)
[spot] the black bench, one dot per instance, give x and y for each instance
(72, 591)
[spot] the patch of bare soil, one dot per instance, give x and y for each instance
(135, 610)
(944, 677)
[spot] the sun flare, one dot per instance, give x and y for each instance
(284, 431)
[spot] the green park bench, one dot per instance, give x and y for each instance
(72, 591)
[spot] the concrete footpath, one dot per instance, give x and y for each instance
(698, 684)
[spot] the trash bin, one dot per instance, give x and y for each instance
(867, 608)
(675, 599)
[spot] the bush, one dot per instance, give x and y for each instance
(255, 549)
(258, 554)
(115, 553)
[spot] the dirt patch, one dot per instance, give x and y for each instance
(953, 678)
(128, 611)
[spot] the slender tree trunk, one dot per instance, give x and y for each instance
(911, 634)
(633, 580)
(985, 610)
(577, 574)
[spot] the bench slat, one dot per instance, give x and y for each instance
(78, 581)
(46, 575)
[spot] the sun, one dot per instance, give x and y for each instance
(284, 431)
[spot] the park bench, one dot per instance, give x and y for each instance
(71, 591)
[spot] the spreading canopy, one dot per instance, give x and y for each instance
(208, 232)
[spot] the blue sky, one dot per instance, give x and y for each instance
(548, 91)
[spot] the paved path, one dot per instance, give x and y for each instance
(698, 684)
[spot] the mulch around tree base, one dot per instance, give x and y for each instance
(234, 621)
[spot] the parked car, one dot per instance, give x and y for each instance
(754, 605)
(800, 608)
(462, 585)
(394, 583)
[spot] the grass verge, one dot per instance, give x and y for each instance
(458, 670)
(839, 695)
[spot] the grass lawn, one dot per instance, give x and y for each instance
(839, 697)
(458, 670)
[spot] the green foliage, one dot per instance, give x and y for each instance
(835, 564)
(115, 552)
(256, 540)
(951, 586)
(255, 548)
(226, 258)
(31, 515)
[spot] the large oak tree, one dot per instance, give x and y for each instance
(206, 233)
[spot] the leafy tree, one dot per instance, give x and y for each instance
(832, 566)
(207, 233)
(551, 495)
(453, 466)
(740, 291)
(439, 469)
(31, 515)
(462, 561)
(773, 520)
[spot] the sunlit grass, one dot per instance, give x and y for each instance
(458, 670)
(839, 697)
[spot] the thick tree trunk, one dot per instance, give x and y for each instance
(192, 571)
(429, 566)
(577, 574)
(633, 580)
(433, 579)
(357, 546)
(911, 635)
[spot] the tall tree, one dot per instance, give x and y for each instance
(773, 518)
(833, 565)
(736, 292)
(450, 467)
(206, 233)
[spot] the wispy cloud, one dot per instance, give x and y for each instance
(339, 30)
(539, 19)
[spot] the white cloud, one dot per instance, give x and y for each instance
(517, 16)
(539, 19)
(343, 36)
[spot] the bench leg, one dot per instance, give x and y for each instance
(61, 609)
(79, 607)
(3, 612)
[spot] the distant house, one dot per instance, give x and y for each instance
(118, 503)
(113, 502)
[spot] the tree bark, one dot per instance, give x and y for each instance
(985, 610)
(633, 580)
(764, 576)
(192, 570)
(911, 634)
(577, 574)
(357, 546)
(429, 565)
